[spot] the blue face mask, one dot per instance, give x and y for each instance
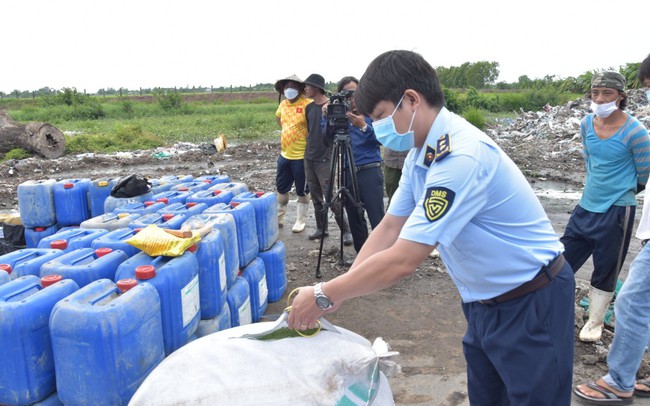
(388, 136)
(647, 95)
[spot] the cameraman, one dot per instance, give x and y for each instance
(367, 159)
(318, 160)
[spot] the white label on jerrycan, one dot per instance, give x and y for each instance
(263, 289)
(190, 300)
(222, 271)
(244, 311)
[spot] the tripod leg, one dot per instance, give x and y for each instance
(328, 201)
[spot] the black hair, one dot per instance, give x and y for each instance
(347, 79)
(390, 74)
(644, 70)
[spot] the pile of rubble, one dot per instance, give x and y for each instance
(548, 142)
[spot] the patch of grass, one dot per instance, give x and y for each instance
(16, 153)
(475, 116)
(126, 137)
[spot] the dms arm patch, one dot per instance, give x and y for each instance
(437, 202)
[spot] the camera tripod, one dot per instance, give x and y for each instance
(341, 153)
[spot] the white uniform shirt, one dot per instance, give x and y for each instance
(462, 191)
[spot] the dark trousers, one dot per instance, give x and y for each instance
(371, 194)
(606, 236)
(318, 179)
(391, 180)
(520, 352)
(288, 172)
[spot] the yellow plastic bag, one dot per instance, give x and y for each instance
(155, 241)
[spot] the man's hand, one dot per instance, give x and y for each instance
(356, 120)
(304, 311)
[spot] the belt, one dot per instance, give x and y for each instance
(368, 166)
(546, 275)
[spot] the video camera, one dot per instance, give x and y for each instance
(337, 109)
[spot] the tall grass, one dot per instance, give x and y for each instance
(95, 124)
(149, 124)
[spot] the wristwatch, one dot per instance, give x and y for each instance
(364, 128)
(322, 301)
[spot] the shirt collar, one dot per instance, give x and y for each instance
(427, 153)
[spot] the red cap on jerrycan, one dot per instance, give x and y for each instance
(100, 252)
(145, 272)
(126, 284)
(6, 268)
(48, 280)
(59, 244)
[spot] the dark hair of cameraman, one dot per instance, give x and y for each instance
(346, 80)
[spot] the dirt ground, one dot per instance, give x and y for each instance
(420, 317)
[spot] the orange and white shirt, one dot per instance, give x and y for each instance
(294, 127)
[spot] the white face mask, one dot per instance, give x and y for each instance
(605, 109)
(290, 93)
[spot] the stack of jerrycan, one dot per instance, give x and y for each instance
(27, 372)
(106, 338)
(213, 179)
(255, 275)
(5, 270)
(70, 239)
(166, 220)
(71, 201)
(192, 186)
(212, 283)
(177, 282)
(275, 267)
(110, 221)
(271, 251)
(211, 197)
(188, 209)
(172, 196)
(225, 223)
(244, 215)
(116, 240)
(27, 261)
(234, 187)
(85, 265)
(158, 186)
(239, 303)
(176, 179)
(140, 208)
(266, 216)
(37, 213)
(98, 191)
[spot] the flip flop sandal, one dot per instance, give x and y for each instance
(643, 393)
(610, 397)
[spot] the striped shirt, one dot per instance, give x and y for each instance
(614, 165)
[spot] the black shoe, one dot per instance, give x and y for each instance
(347, 238)
(317, 234)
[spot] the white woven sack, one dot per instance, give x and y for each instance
(332, 368)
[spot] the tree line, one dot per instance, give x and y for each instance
(480, 75)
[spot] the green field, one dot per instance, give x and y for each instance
(108, 124)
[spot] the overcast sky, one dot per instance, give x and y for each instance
(93, 44)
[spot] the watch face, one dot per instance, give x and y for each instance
(322, 302)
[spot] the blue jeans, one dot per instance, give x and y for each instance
(632, 330)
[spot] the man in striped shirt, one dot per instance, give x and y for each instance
(616, 148)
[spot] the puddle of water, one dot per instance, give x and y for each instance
(559, 193)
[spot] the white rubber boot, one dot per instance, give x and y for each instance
(283, 200)
(598, 303)
(303, 206)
